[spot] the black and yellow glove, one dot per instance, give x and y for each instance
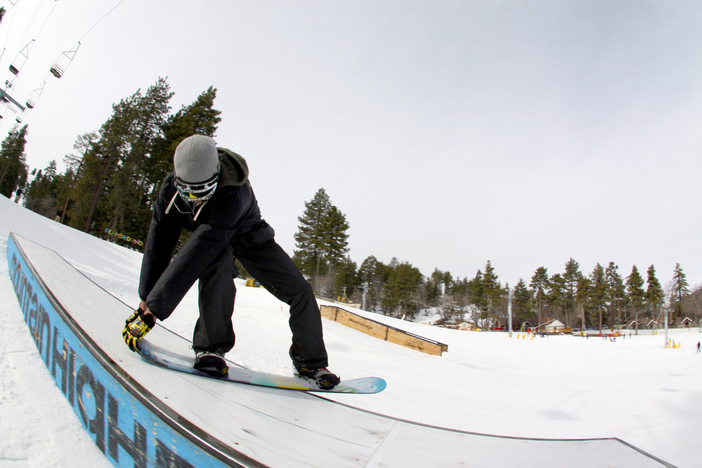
(136, 327)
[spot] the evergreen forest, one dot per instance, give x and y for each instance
(113, 175)
(603, 298)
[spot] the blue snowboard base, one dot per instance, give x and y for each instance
(237, 374)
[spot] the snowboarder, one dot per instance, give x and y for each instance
(209, 195)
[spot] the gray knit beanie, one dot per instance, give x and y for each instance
(196, 159)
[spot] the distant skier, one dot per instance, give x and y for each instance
(59, 215)
(698, 346)
(209, 194)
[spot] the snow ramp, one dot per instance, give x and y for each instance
(140, 415)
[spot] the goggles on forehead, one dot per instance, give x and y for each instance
(197, 192)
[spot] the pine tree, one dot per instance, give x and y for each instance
(557, 291)
(399, 295)
(448, 282)
(433, 287)
(615, 292)
(13, 169)
(438, 293)
(679, 290)
(373, 275)
(598, 293)
(67, 193)
(491, 291)
(571, 276)
(437, 285)
(112, 186)
(635, 293)
(582, 299)
(654, 293)
(475, 290)
(41, 194)
(347, 279)
(335, 229)
(522, 302)
(540, 284)
(128, 188)
(461, 288)
(321, 239)
(102, 163)
(310, 235)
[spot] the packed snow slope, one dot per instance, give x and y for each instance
(557, 387)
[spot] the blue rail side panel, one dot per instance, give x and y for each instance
(128, 432)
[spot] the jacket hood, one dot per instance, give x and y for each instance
(234, 170)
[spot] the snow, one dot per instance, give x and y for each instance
(557, 387)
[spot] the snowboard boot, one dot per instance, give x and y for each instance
(211, 363)
(324, 379)
(136, 327)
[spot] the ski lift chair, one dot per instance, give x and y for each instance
(64, 60)
(21, 59)
(34, 97)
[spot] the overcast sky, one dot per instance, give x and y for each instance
(449, 133)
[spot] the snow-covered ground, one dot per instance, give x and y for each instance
(556, 387)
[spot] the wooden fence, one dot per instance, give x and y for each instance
(382, 331)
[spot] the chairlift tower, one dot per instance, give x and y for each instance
(6, 98)
(509, 311)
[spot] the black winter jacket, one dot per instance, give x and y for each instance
(231, 213)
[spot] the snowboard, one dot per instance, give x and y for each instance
(164, 358)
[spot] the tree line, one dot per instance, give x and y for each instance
(113, 175)
(602, 298)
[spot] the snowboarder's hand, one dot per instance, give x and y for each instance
(137, 326)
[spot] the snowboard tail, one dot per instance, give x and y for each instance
(164, 358)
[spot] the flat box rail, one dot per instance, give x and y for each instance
(382, 331)
(141, 415)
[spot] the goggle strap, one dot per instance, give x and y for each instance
(200, 210)
(170, 205)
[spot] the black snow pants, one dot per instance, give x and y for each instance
(268, 263)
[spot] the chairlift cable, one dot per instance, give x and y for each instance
(66, 57)
(31, 20)
(34, 17)
(47, 18)
(12, 22)
(98, 22)
(37, 92)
